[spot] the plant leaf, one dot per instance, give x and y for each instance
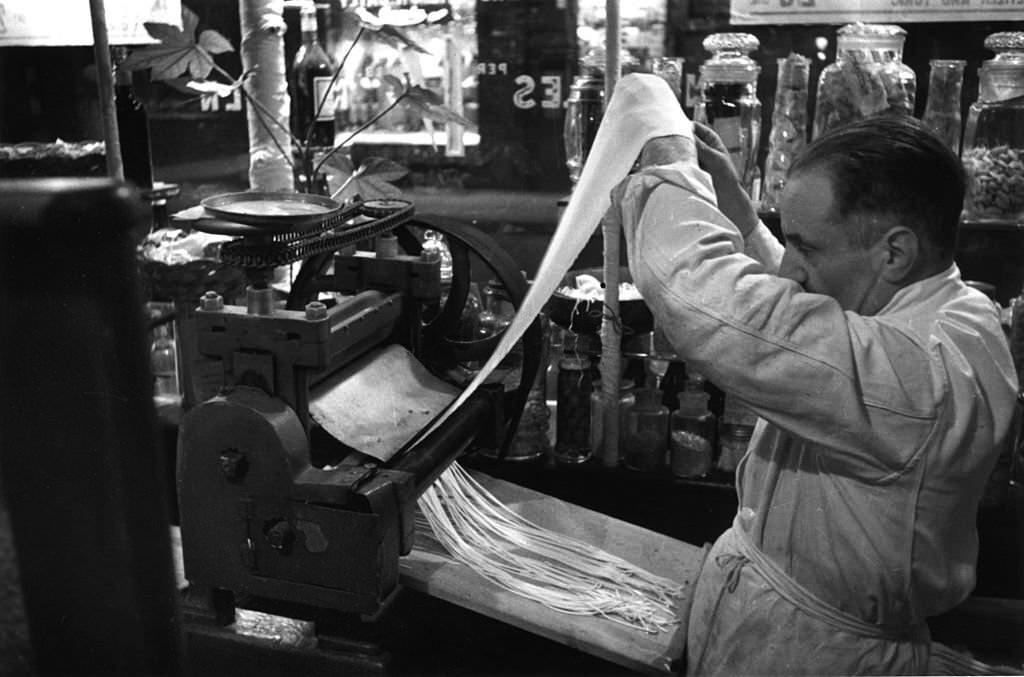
(430, 105)
(213, 87)
(412, 16)
(372, 179)
(214, 43)
(371, 187)
(397, 38)
(383, 169)
(169, 35)
(365, 17)
(341, 162)
(178, 52)
(385, 32)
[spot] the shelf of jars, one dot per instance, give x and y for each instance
(868, 77)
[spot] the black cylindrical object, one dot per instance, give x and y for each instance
(82, 477)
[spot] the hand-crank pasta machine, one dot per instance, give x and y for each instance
(271, 507)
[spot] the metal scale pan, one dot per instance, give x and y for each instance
(268, 213)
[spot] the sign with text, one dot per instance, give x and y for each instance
(57, 23)
(763, 12)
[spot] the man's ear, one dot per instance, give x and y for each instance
(901, 252)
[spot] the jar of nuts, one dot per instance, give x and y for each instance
(993, 152)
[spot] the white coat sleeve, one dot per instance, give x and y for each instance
(797, 358)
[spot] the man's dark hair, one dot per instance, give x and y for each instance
(895, 166)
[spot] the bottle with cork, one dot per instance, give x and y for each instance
(692, 431)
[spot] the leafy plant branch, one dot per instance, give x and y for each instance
(185, 61)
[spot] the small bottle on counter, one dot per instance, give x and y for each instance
(532, 437)
(572, 421)
(692, 432)
(734, 435)
(645, 439)
(627, 397)
(163, 359)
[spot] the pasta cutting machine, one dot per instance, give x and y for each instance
(272, 508)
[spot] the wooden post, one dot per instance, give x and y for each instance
(105, 83)
(611, 325)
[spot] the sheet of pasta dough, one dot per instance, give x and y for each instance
(641, 108)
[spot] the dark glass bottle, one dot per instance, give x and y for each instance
(312, 71)
(132, 126)
(572, 424)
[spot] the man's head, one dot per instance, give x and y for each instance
(870, 208)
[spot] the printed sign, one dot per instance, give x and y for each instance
(56, 23)
(761, 12)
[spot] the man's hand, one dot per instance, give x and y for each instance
(714, 158)
(664, 150)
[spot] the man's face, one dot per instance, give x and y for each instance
(822, 254)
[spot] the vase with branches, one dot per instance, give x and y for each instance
(184, 59)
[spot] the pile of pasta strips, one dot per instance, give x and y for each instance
(560, 572)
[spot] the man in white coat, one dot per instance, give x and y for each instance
(884, 386)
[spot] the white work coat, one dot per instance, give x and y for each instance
(859, 491)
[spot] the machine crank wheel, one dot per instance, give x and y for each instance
(468, 246)
(441, 344)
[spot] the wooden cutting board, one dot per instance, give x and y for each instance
(442, 577)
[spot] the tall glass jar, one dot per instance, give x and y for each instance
(942, 111)
(728, 98)
(993, 153)
(868, 77)
(585, 107)
(572, 420)
(646, 434)
(789, 126)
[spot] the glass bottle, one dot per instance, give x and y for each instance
(163, 359)
(692, 432)
(789, 126)
(728, 98)
(585, 106)
(312, 110)
(646, 436)
(737, 427)
(531, 439)
(942, 110)
(583, 111)
(435, 248)
(572, 413)
(495, 317)
(627, 397)
(868, 77)
(993, 151)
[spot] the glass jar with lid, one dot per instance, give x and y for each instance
(867, 78)
(942, 110)
(993, 151)
(646, 434)
(728, 98)
(788, 134)
(585, 106)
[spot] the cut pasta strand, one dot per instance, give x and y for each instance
(562, 573)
